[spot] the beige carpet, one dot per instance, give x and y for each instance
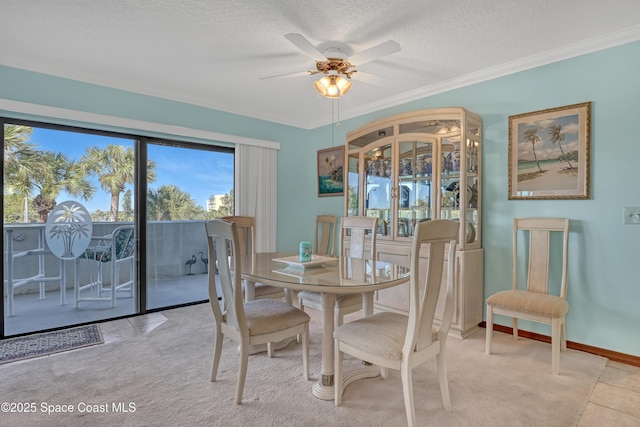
(161, 376)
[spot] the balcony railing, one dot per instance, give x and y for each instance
(35, 271)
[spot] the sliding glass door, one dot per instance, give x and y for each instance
(100, 225)
(187, 185)
(67, 190)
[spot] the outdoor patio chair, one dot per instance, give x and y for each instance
(117, 248)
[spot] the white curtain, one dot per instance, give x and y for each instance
(255, 191)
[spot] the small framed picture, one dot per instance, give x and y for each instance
(330, 170)
(549, 153)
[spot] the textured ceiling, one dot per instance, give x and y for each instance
(214, 53)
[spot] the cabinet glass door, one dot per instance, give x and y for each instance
(353, 184)
(450, 176)
(415, 199)
(378, 187)
(472, 197)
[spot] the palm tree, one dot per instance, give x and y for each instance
(531, 135)
(18, 154)
(115, 167)
(556, 136)
(55, 174)
(127, 205)
(227, 204)
(20, 160)
(27, 170)
(170, 203)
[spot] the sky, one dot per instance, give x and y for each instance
(545, 149)
(201, 173)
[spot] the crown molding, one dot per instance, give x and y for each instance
(585, 47)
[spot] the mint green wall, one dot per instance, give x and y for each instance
(604, 275)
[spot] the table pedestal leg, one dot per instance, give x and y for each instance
(323, 389)
(367, 304)
(262, 348)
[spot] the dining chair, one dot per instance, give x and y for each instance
(536, 302)
(402, 342)
(248, 323)
(355, 227)
(247, 234)
(117, 248)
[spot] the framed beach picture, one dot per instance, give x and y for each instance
(549, 153)
(330, 182)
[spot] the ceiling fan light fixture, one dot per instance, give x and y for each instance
(332, 86)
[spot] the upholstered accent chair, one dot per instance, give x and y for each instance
(249, 323)
(534, 300)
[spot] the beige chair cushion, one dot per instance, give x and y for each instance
(268, 315)
(382, 334)
(530, 302)
(341, 299)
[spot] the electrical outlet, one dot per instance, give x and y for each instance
(631, 215)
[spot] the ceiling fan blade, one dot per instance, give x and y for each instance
(304, 45)
(374, 79)
(373, 53)
(289, 75)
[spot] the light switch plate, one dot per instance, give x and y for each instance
(631, 215)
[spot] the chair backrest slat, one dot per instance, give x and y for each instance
(439, 237)
(125, 242)
(325, 243)
(246, 226)
(538, 270)
(356, 228)
(539, 231)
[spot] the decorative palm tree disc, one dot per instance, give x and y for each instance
(68, 230)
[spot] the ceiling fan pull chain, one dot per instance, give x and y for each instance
(332, 121)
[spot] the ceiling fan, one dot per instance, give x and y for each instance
(334, 65)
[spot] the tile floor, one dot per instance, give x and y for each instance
(615, 401)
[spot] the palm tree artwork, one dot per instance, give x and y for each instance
(556, 136)
(531, 136)
(70, 222)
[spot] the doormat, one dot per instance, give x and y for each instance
(46, 343)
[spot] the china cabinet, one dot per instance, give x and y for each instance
(414, 167)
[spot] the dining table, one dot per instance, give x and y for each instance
(330, 276)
